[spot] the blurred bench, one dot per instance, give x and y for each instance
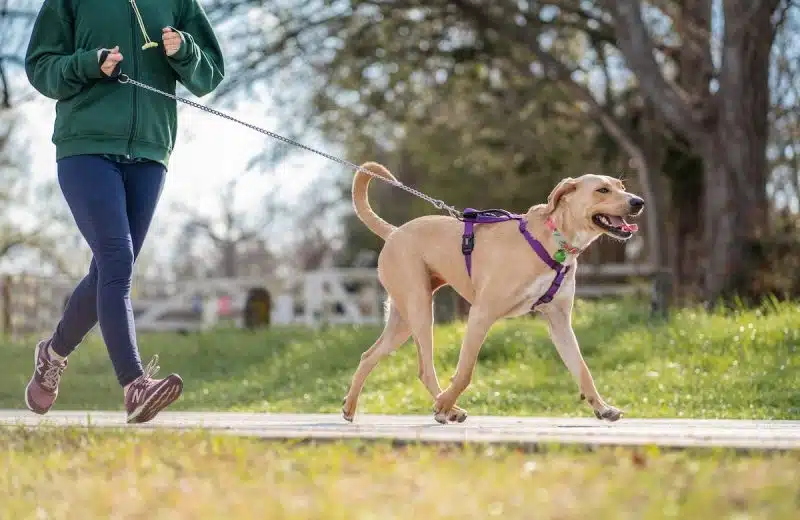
(625, 279)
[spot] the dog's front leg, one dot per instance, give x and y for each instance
(478, 324)
(560, 324)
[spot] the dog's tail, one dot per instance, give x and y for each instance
(361, 199)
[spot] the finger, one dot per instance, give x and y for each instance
(115, 58)
(167, 30)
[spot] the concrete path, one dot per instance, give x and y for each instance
(514, 430)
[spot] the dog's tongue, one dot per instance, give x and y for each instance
(624, 226)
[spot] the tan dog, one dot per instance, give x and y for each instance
(507, 278)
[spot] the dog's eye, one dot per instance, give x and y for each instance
(603, 190)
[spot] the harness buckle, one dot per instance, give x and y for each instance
(467, 244)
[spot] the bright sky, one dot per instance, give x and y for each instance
(209, 152)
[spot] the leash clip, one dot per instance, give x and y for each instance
(123, 78)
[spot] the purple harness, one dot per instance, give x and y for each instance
(471, 217)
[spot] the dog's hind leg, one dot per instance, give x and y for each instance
(421, 321)
(395, 333)
(478, 324)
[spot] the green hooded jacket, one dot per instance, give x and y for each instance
(98, 115)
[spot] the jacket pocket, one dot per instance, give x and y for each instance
(104, 109)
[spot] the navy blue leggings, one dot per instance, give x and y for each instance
(113, 205)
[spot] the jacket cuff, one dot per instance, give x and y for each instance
(89, 65)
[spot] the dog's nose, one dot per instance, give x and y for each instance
(636, 203)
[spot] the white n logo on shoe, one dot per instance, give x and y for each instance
(138, 393)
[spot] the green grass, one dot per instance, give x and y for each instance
(734, 364)
(71, 474)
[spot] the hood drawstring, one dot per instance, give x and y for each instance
(148, 44)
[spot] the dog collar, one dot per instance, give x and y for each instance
(564, 246)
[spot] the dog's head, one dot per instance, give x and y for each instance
(597, 203)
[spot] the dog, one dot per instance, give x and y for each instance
(504, 277)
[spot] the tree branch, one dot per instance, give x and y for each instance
(5, 92)
(559, 71)
(637, 47)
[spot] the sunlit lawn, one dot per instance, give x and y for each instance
(734, 365)
(67, 474)
(721, 365)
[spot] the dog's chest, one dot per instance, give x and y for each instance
(531, 293)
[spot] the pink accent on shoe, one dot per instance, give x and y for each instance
(146, 397)
(42, 389)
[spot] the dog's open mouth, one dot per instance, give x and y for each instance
(615, 225)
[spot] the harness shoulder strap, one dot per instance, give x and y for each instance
(468, 238)
(548, 296)
(471, 217)
(560, 269)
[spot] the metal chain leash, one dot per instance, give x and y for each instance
(438, 204)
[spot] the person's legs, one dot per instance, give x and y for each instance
(95, 192)
(80, 315)
(145, 396)
(111, 204)
(143, 184)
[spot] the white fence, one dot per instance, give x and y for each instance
(329, 296)
(31, 304)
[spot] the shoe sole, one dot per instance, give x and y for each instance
(39, 411)
(34, 409)
(146, 411)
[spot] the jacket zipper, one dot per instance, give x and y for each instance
(133, 91)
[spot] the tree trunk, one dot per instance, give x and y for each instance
(695, 72)
(687, 237)
(735, 156)
(653, 151)
(229, 258)
(728, 129)
(683, 176)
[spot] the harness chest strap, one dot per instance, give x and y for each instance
(472, 217)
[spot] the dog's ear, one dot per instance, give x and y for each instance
(565, 186)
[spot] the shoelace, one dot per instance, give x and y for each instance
(151, 369)
(143, 380)
(52, 374)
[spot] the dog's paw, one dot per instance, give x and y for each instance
(348, 410)
(608, 413)
(445, 410)
(454, 415)
(458, 415)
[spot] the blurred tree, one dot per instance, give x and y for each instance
(230, 243)
(784, 146)
(16, 20)
(454, 120)
(32, 215)
(678, 86)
